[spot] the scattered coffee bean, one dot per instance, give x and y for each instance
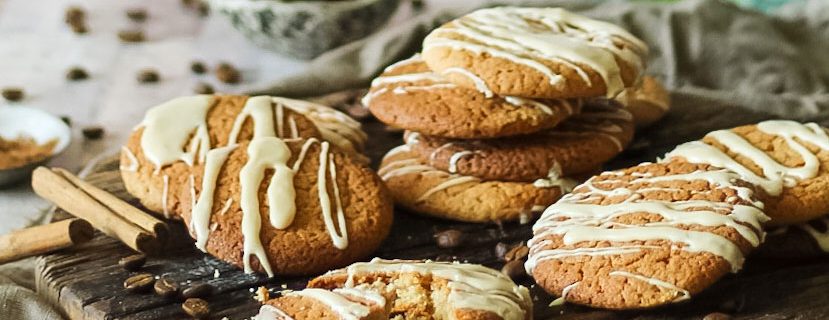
(501, 250)
(148, 76)
(198, 67)
(166, 288)
(67, 120)
(93, 132)
(203, 88)
(76, 73)
(198, 290)
(137, 14)
(79, 28)
(13, 94)
(514, 269)
(227, 73)
(204, 8)
(131, 35)
(196, 308)
(449, 238)
(516, 254)
(717, 316)
(74, 15)
(133, 262)
(139, 283)
(188, 3)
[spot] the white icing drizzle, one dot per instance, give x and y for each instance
(471, 286)
(269, 312)
(457, 156)
(531, 36)
(775, 175)
(397, 150)
(340, 240)
(451, 182)
(165, 188)
(822, 238)
(597, 119)
(294, 130)
(564, 292)
(334, 126)
(554, 179)
(346, 309)
(204, 206)
(434, 154)
(133, 166)
(681, 294)
(226, 207)
(167, 127)
(479, 83)
(368, 295)
(415, 59)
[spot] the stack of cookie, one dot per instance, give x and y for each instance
(503, 109)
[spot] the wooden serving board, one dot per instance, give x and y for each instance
(86, 281)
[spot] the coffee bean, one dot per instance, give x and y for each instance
(148, 76)
(137, 14)
(501, 250)
(449, 238)
(139, 283)
(133, 262)
(198, 67)
(517, 253)
(196, 308)
(166, 288)
(198, 290)
(74, 15)
(717, 316)
(514, 269)
(67, 120)
(13, 94)
(203, 88)
(204, 8)
(76, 73)
(227, 73)
(93, 133)
(79, 28)
(131, 35)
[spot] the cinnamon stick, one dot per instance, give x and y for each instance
(120, 207)
(44, 239)
(54, 187)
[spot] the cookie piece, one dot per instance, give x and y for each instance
(159, 155)
(786, 159)
(578, 145)
(799, 241)
(285, 207)
(322, 304)
(435, 290)
(645, 236)
(408, 95)
(424, 189)
(536, 52)
(648, 101)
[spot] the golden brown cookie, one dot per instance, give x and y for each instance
(786, 159)
(313, 304)
(536, 52)
(645, 236)
(155, 164)
(435, 290)
(648, 101)
(410, 96)
(426, 190)
(577, 146)
(286, 207)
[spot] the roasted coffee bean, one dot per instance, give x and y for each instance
(93, 133)
(13, 94)
(449, 238)
(198, 290)
(166, 288)
(198, 67)
(139, 283)
(203, 8)
(517, 253)
(137, 14)
(76, 73)
(203, 88)
(131, 35)
(67, 120)
(501, 250)
(148, 76)
(196, 308)
(133, 262)
(74, 15)
(514, 269)
(717, 316)
(227, 73)
(79, 28)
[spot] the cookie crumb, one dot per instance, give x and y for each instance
(262, 294)
(76, 73)
(131, 36)
(449, 238)
(517, 253)
(93, 132)
(13, 93)
(148, 76)
(227, 73)
(216, 273)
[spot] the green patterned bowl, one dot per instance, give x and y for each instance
(305, 29)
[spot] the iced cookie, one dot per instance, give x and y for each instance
(410, 96)
(645, 236)
(157, 159)
(434, 290)
(313, 304)
(535, 52)
(286, 207)
(424, 189)
(580, 144)
(804, 240)
(786, 159)
(648, 101)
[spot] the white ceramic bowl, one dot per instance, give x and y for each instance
(16, 122)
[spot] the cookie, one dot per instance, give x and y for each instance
(322, 304)
(435, 290)
(424, 189)
(408, 95)
(786, 159)
(648, 101)
(285, 207)
(799, 241)
(645, 236)
(577, 146)
(159, 155)
(536, 52)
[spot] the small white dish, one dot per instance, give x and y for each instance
(42, 127)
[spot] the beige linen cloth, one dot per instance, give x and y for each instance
(726, 66)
